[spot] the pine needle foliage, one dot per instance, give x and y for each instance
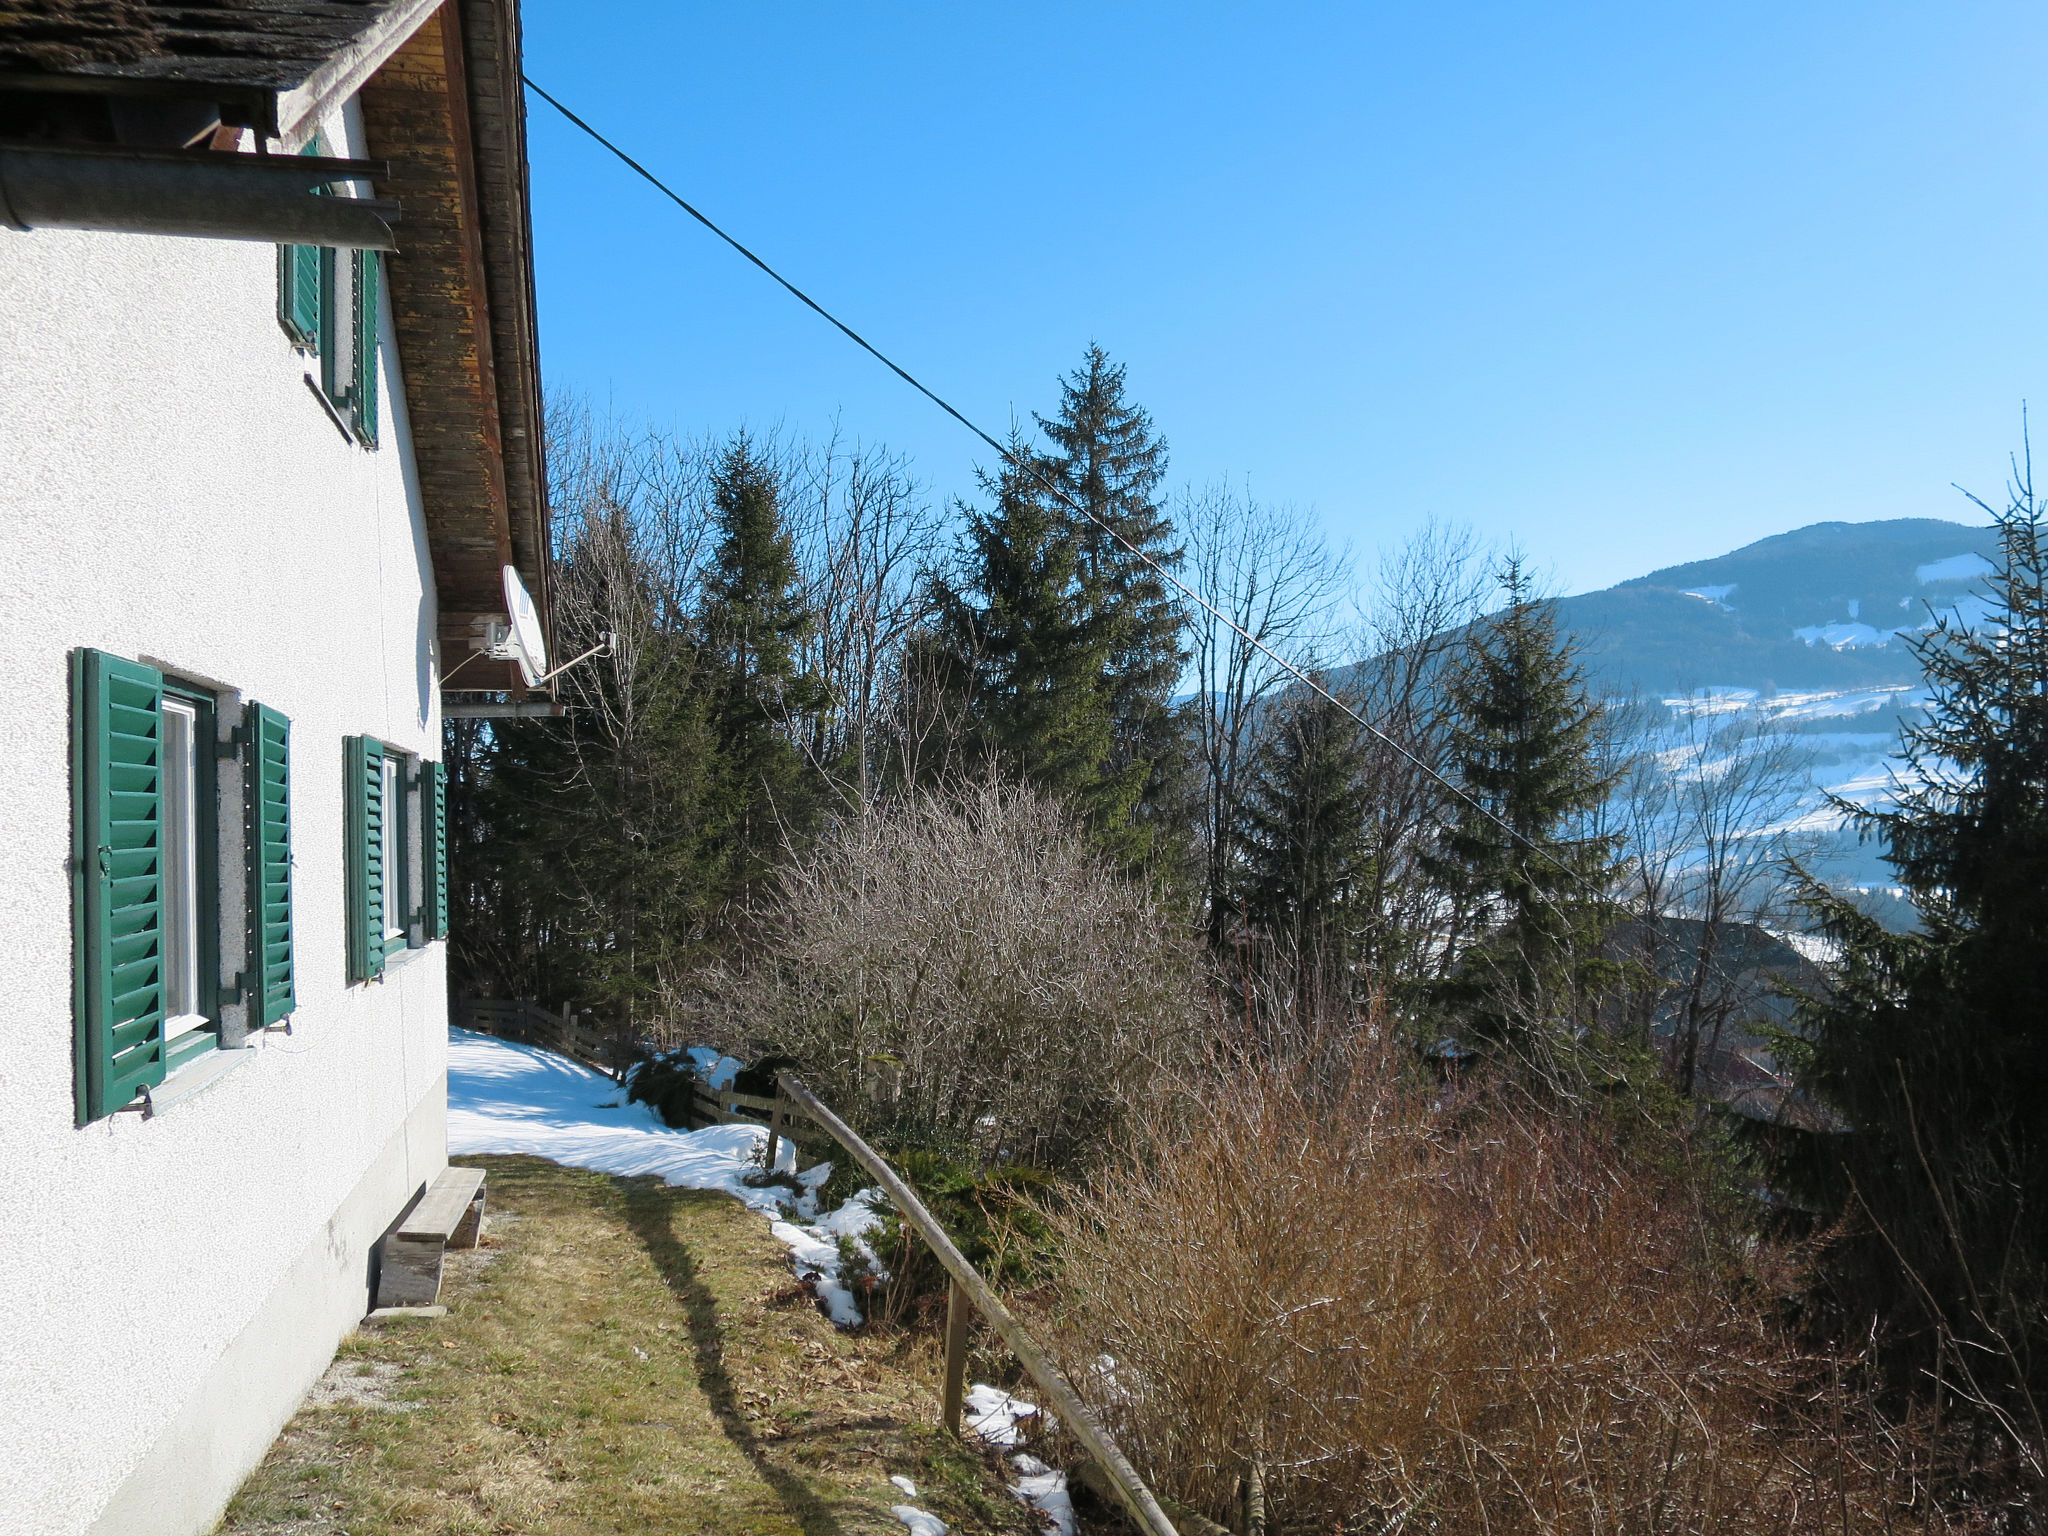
(1107, 459)
(1026, 659)
(1531, 881)
(1303, 834)
(1933, 1045)
(759, 694)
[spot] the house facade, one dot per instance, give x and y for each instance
(269, 440)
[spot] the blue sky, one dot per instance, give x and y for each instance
(1628, 284)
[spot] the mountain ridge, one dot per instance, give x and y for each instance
(1817, 607)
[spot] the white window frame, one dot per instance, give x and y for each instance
(179, 885)
(394, 836)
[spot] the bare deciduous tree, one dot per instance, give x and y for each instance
(1706, 810)
(864, 532)
(1278, 584)
(965, 971)
(1423, 599)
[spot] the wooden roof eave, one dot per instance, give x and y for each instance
(445, 110)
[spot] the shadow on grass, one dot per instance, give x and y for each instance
(650, 1211)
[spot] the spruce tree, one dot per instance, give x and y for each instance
(1302, 830)
(1933, 1045)
(1531, 885)
(1028, 663)
(1108, 464)
(759, 696)
(585, 851)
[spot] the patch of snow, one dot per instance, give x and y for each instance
(1045, 1491)
(904, 1485)
(716, 1070)
(1718, 596)
(1816, 706)
(815, 1250)
(1843, 636)
(995, 1415)
(1970, 611)
(1954, 568)
(1855, 607)
(509, 1098)
(920, 1523)
(1817, 947)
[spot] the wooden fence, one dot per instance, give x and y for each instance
(1107, 1472)
(567, 1033)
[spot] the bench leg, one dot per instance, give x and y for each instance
(410, 1275)
(471, 1227)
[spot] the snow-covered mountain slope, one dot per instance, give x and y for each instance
(1827, 608)
(1808, 632)
(1845, 743)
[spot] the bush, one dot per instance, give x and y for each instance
(1408, 1311)
(992, 1215)
(665, 1084)
(962, 972)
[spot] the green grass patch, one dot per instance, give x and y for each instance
(619, 1356)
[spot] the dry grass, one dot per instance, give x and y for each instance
(619, 1357)
(1448, 1319)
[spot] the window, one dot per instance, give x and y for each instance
(397, 854)
(147, 889)
(188, 842)
(327, 302)
(394, 856)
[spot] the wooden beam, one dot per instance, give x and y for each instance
(1075, 1415)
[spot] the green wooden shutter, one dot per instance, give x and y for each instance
(298, 293)
(337, 359)
(363, 401)
(365, 819)
(117, 849)
(266, 777)
(299, 285)
(434, 805)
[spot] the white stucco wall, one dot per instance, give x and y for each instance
(171, 491)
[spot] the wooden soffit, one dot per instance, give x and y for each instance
(445, 109)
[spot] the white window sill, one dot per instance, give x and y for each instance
(190, 1082)
(400, 958)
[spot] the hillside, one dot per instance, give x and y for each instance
(1819, 608)
(1808, 631)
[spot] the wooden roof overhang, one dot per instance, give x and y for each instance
(446, 110)
(438, 82)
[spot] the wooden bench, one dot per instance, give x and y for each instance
(449, 1215)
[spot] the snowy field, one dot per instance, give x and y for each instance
(507, 1099)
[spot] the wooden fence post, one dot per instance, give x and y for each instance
(775, 1127)
(958, 1310)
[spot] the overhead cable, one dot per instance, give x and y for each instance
(1037, 472)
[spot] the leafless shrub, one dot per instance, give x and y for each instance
(962, 968)
(1407, 1310)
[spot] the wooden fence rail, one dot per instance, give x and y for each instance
(1108, 1472)
(567, 1033)
(968, 1288)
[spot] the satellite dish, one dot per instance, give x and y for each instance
(525, 644)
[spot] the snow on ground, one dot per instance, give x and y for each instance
(1962, 567)
(1045, 1491)
(995, 1415)
(815, 1248)
(507, 1098)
